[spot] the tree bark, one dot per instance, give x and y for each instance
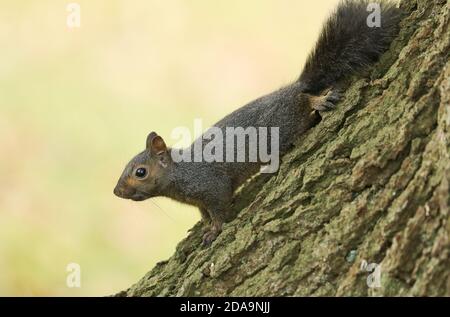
(368, 184)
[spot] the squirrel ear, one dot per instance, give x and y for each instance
(156, 144)
(150, 138)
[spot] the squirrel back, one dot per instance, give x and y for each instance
(350, 41)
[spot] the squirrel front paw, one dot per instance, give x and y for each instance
(210, 236)
(326, 102)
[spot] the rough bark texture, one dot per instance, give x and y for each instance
(369, 183)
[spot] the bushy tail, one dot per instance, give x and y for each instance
(349, 43)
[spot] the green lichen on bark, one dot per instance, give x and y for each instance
(369, 183)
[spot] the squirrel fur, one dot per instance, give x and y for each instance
(346, 45)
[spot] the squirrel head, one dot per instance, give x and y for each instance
(145, 175)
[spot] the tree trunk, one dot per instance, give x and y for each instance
(359, 207)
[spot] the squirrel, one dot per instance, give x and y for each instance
(346, 45)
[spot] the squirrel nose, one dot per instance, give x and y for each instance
(123, 191)
(118, 192)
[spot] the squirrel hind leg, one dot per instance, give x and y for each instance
(326, 101)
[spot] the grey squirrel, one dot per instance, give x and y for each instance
(346, 45)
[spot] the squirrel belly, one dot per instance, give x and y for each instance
(347, 45)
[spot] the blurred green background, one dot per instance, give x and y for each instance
(77, 104)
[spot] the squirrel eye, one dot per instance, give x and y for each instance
(140, 172)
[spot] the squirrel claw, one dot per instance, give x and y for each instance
(324, 106)
(209, 237)
(327, 102)
(334, 96)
